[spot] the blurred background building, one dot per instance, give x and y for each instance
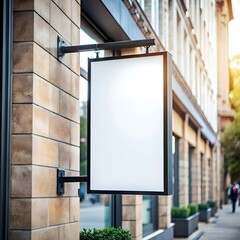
(196, 34)
(47, 131)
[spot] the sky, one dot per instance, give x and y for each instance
(234, 30)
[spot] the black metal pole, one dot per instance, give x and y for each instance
(5, 118)
(62, 49)
(75, 179)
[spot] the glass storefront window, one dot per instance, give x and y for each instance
(147, 220)
(175, 158)
(87, 39)
(190, 153)
(149, 214)
(95, 209)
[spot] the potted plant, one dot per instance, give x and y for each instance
(213, 205)
(193, 208)
(185, 219)
(106, 234)
(204, 212)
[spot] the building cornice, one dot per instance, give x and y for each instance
(143, 23)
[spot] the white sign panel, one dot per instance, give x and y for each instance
(127, 140)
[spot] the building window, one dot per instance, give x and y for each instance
(151, 8)
(179, 42)
(185, 66)
(149, 214)
(5, 111)
(175, 150)
(96, 210)
(210, 179)
(202, 178)
(190, 153)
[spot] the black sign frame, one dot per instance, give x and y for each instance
(167, 127)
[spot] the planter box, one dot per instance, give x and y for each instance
(204, 215)
(213, 211)
(184, 227)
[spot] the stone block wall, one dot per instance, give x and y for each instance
(196, 171)
(164, 212)
(132, 215)
(45, 120)
(203, 176)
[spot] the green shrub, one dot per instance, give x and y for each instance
(175, 212)
(203, 206)
(180, 212)
(193, 208)
(211, 203)
(105, 234)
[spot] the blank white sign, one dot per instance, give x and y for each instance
(127, 124)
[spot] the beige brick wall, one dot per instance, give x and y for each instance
(206, 171)
(164, 211)
(191, 136)
(183, 166)
(132, 215)
(177, 124)
(216, 175)
(45, 120)
(196, 171)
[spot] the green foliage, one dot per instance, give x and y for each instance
(83, 119)
(83, 166)
(231, 136)
(105, 234)
(180, 212)
(203, 206)
(235, 98)
(235, 82)
(211, 203)
(193, 208)
(184, 212)
(230, 141)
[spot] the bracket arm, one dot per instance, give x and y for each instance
(61, 179)
(62, 49)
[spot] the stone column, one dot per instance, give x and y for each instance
(207, 174)
(216, 172)
(183, 166)
(132, 215)
(204, 178)
(196, 171)
(45, 120)
(164, 211)
(219, 174)
(211, 177)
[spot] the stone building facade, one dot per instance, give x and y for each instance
(45, 122)
(225, 113)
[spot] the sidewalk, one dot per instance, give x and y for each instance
(224, 226)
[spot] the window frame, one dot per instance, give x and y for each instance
(5, 119)
(153, 226)
(176, 173)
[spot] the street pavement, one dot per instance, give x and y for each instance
(224, 226)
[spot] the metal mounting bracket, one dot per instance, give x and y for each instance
(62, 49)
(60, 46)
(61, 179)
